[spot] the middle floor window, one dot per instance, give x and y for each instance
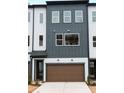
(67, 39)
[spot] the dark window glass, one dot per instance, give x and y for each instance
(59, 39)
(94, 38)
(59, 42)
(71, 39)
(94, 41)
(28, 40)
(93, 69)
(59, 36)
(94, 44)
(40, 40)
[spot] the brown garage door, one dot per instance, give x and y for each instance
(65, 72)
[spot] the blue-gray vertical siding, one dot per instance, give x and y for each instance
(67, 51)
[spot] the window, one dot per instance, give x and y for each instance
(94, 16)
(92, 69)
(28, 40)
(28, 16)
(94, 41)
(41, 17)
(59, 39)
(67, 16)
(71, 39)
(78, 16)
(40, 40)
(67, 39)
(55, 16)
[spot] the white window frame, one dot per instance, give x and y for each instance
(57, 39)
(67, 16)
(79, 16)
(56, 17)
(72, 33)
(93, 17)
(41, 18)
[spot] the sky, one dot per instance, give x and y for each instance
(43, 1)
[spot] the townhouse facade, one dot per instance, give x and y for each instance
(58, 41)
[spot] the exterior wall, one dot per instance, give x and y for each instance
(39, 29)
(92, 32)
(67, 51)
(30, 28)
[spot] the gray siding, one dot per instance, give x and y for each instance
(67, 51)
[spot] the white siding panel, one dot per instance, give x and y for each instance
(39, 29)
(30, 28)
(92, 32)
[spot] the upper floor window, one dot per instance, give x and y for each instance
(28, 40)
(55, 17)
(28, 16)
(94, 16)
(41, 17)
(59, 39)
(67, 16)
(78, 16)
(94, 41)
(40, 40)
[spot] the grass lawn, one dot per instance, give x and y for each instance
(93, 89)
(31, 88)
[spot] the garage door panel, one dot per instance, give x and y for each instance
(65, 72)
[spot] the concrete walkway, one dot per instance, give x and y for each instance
(63, 87)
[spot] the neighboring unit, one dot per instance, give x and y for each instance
(92, 40)
(37, 40)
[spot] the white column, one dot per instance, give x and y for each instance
(32, 69)
(86, 70)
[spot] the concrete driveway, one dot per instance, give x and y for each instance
(63, 87)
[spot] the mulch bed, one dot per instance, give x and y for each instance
(31, 88)
(93, 89)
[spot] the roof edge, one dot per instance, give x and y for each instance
(66, 2)
(37, 5)
(91, 4)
